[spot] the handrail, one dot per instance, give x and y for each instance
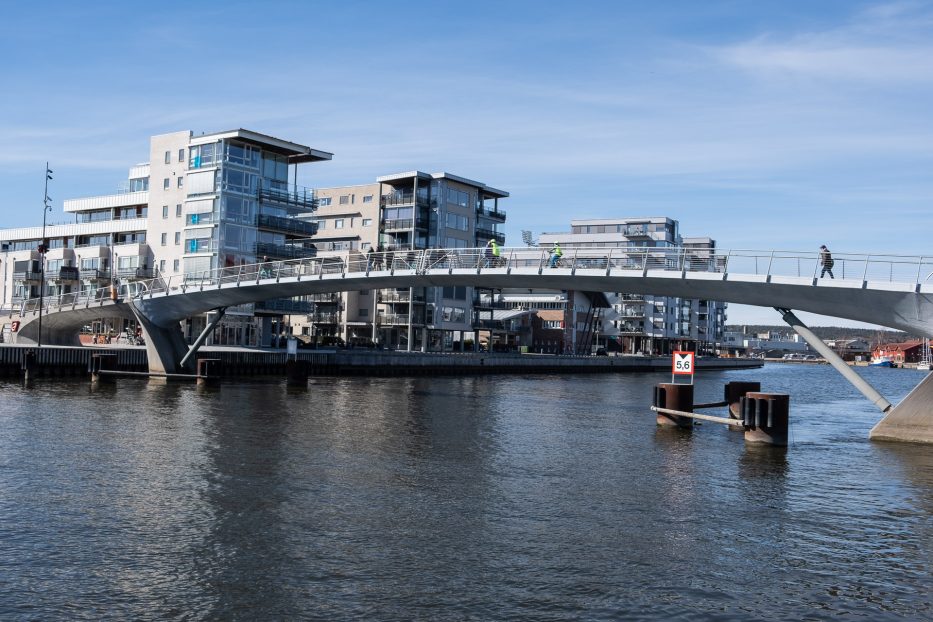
(862, 268)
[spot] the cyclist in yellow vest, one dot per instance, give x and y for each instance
(556, 254)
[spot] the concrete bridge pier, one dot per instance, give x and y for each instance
(165, 346)
(910, 421)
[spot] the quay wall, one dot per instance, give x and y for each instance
(66, 361)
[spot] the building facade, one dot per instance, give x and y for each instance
(645, 324)
(202, 202)
(395, 214)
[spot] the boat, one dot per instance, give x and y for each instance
(925, 358)
(881, 361)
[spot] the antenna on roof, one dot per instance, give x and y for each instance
(527, 239)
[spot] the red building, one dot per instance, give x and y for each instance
(899, 353)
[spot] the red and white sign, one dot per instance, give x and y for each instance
(14, 326)
(683, 363)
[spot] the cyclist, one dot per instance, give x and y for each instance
(556, 254)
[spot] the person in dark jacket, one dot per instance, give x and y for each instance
(826, 260)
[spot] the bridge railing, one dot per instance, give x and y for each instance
(808, 265)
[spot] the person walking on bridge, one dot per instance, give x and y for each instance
(826, 260)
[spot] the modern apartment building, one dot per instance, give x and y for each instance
(200, 203)
(399, 213)
(642, 323)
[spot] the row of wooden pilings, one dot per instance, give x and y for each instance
(764, 417)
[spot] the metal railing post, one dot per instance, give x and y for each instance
(919, 268)
(865, 273)
(770, 263)
(609, 261)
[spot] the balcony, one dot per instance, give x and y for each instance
(300, 199)
(489, 213)
(402, 224)
(93, 274)
(27, 277)
(287, 306)
(283, 251)
(134, 274)
(286, 225)
(403, 198)
(324, 318)
(392, 319)
(485, 235)
(636, 231)
(323, 298)
(67, 274)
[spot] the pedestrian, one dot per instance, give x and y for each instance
(556, 254)
(370, 258)
(826, 260)
(491, 254)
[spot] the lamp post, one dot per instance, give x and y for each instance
(46, 208)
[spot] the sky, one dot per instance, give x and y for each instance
(764, 125)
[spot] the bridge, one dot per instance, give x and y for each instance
(890, 290)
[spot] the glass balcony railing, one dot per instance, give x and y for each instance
(283, 251)
(288, 225)
(285, 306)
(496, 214)
(298, 199)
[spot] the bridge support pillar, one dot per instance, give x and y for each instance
(218, 315)
(835, 360)
(102, 363)
(165, 347)
(911, 420)
(675, 397)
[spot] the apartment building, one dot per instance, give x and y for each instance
(639, 323)
(398, 213)
(200, 203)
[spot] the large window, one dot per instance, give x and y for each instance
(245, 155)
(456, 221)
(139, 185)
(240, 181)
(458, 197)
(274, 167)
(204, 155)
(240, 210)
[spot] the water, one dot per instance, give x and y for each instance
(497, 498)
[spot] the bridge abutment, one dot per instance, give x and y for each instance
(165, 347)
(911, 420)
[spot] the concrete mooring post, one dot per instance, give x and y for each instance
(208, 371)
(766, 417)
(102, 363)
(674, 397)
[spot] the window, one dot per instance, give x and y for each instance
(320, 224)
(367, 222)
(364, 292)
(177, 238)
(165, 211)
(325, 201)
(338, 223)
(166, 183)
(181, 158)
(164, 239)
(168, 157)
(368, 198)
(162, 264)
(345, 199)
(181, 182)
(364, 312)
(178, 210)
(175, 265)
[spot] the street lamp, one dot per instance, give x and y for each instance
(46, 208)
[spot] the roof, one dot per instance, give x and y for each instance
(296, 153)
(508, 314)
(487, 190)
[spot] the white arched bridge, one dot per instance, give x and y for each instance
(889, 290)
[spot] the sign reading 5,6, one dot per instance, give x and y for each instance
(683, 363)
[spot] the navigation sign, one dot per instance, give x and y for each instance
(683, 363)
(15, 326)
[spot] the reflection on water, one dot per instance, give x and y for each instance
(548, 497)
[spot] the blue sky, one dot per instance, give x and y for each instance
(762, 124)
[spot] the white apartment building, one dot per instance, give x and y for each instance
(200, 203)
(640, 323)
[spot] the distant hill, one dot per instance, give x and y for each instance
(871, 335)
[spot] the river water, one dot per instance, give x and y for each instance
(471, 498)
